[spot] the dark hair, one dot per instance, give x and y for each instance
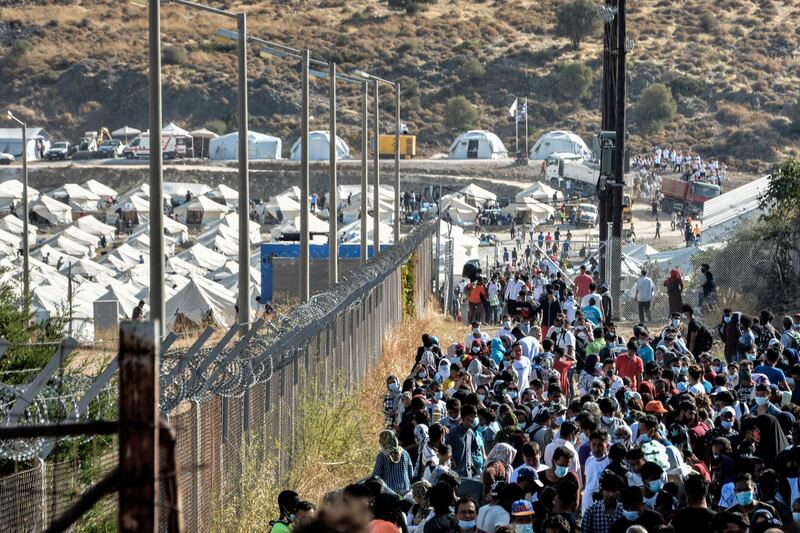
(724, 518)
(567, 492)
(468, 410)
(453, 404)
(357, 490)
(462, 501)
(441, 498)
(631, 496)
(743, 476)
(611, 481)
(567, 429)
(435, 432)
(650, 470)
(557, 523)
(600, 434)
(528, 450)
(305, 505)
(686, 308)
(560, 452)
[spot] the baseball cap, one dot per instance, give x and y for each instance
(773, 341)
(527, 473)
(728, 409)
(522, 508)
(655, 406)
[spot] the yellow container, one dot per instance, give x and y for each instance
(408, 146)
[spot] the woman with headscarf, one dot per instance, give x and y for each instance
(421, 508)
(499, 465)
(589, 374)
(772, 441)
(497, 349)
(509, 424)
(723, 475)
(393, 464)
(442, 371)
(287, 503)
(647, 391)
(674, 285)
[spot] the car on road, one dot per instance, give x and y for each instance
(110, 148)
(60, 150)
(587, 215)
(6, 159)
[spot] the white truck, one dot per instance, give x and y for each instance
(574, 175)
(172, 146)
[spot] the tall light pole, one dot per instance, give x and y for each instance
(397, 164)
(157, 304)
(305, 292)
(364, 171)
(376, 193)
(619, 156)
(26, 275)
(333, 200)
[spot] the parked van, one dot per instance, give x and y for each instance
(172, 146)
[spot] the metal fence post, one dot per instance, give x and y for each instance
(138, 426)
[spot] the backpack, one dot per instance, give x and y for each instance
(704, 338)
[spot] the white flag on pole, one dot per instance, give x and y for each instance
(512, 111)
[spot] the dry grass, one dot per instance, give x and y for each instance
(336, 439)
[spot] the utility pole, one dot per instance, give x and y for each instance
(608, 119)
(619, 169)
(397, 164)
(157, 305)
(333, 201)
(376, 194)
(305, 292)
(364, 170)
(244, 181)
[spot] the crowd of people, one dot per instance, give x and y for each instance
(531, 429)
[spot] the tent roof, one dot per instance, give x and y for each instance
(199, 298)
(203, 133)
(90, 224)
(85, 267)
(99, 188)
(727, 209)
(540, 191)
(204, 204)
(125, 131)
(494, 141)
(174, 129)
(178, 189)
(13, 189)
(476, 192)
(203, 257)
(74, 191)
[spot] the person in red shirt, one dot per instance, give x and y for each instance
(630, 365)
(562, 365)
(582, 282)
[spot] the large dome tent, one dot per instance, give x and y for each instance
(559, 142)
(477, 144)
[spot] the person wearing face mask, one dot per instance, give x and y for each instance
(560, 468)
(506, 328)
(522, 365)
(476, 334)
(634, 513)
(602, 514)
(522, 516)
(746, 344)
(724, 427)
(461, 439)
(595, 465)
(763, 406)
(466, 514)
(567, 435)
(746, 503)
(392, 407)
(728, 331)
(653, 479)
(288, 501)
(696, 516)
(674, 285)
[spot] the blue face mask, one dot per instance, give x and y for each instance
(394, 386)
(631, 516)
(512, 394)
(559, 420)
(682, 386)
(645, 439)
(437, 395)
(561, 471)
(727, 424)
(481, 397)
(655, 485)
(760, 400)
(744, 498)
(796, 516)
(676, 370)
(422, 375)
(524, 528)
(726, 319)
(466, 524)
(475, 422)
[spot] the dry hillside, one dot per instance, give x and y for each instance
(732, 66)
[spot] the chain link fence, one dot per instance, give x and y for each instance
(245, 388)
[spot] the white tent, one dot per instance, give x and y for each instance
(72, 247)
(224, 194)
(282, 207)
(351, 233)
(53, 255)
(541, 192)
(478, 144)
(141, 241)
(52, 211)
(76, 234)
(231, 282)
(723, 214)
(125, 132)
(319, 147)
(203, 257)
(292, 226)
(199, 303)
(86, 268)
(172, 228)
(11, 193)
(126, 300)
(459, 211)
(78, 198)
(200, 210)
(100, 189)
(179, 266)
(14, 225)
(91, 225)
(475, 195)
(178, 190)
(529, 210)
(173, 129)
(11, 243)
(11, 141)
(124, 257)
(259, 146)
(559, 142)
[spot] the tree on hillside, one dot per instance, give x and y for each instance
(656, 106)
(780, 204)
(411, 6)
(573, 80)
(460, 113)
(577, 20)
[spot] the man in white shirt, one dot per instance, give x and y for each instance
(562, 336)
(505, 330)
(476, 335)
(523, 367)
(513, 288)
(595, 464)
(531, 345)
(566, 436)
(644, 296)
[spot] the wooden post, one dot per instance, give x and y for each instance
(138, 426)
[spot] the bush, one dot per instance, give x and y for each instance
(685, 85)
(656, 106)
(732, 114)
(460, 113)
(473, 69)
(173, 55)
(794, 115)
(708, 21)
(573, 80)
(577, 20)
(411, 6)
(469, 44)
(217, 126)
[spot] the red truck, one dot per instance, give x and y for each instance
(686, 197)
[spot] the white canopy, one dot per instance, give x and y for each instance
(541, 192)
(351, 233)
(124, 257)
(14, 225)
(259, 146)
(53, 211)
(91, 225)
(200, 210)
(477, 144)
(99, 189)
(203, 257)
(178, 189)
(222, 192)
(11, 192)
(292, 226)
(530, 210)
(86, 268)
(201, 302)
(282, 207)
(475, 195)
(319, 147)
(559, 142)
(173, 129)
(125, 131)
(460, 212)
(723, 214)
(203, 133)
(77, 235)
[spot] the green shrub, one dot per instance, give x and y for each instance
(469, 44)
(685, 85)
(656, 106)
(577, 20)
(217, 126)
(794, 115)
(473, 69)
(460, 113)
(173, 55)
(573, 80)
(411, 6)
(708, 21)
